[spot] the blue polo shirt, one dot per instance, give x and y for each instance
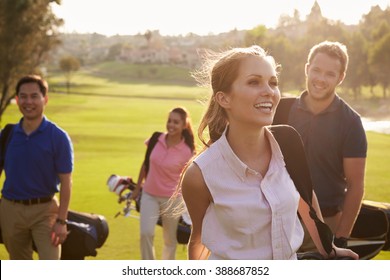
(329, 137)
(33, 162)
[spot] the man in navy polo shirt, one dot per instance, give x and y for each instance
(38, 163)
(334, 139)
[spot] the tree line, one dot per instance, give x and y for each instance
(29, 32)
(368, 46)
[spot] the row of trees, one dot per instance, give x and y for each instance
(368, 46)
(29, 32)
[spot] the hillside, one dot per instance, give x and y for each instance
(156, 81)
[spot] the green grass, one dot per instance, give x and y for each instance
(125, 72)
(377, 173)
(108, 134)
(87, 85)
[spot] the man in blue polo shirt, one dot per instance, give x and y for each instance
(38, 163)
(334, 138)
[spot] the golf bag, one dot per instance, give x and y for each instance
(123, 187)
(370, 233)
(87, 232)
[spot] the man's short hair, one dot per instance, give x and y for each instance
(43, 86)
(333, 49)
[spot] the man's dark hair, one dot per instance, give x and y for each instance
(43, 86)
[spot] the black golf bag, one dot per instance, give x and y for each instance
(87, 232)
(371, 233)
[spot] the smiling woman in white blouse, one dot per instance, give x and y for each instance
(241, 200)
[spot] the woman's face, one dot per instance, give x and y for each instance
(175, 124)
(254, 94)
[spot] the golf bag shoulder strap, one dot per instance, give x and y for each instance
(283, 110)
(152, 142)
(4, 139)
(291, 145)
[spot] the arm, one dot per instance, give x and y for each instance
(141, 177)
(354, 170)
(197, 198)
(303, 210)
(60, 230)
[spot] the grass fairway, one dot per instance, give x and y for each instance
(108, 134)
(377, 173)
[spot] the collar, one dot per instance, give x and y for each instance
(331, 108)
(235, 164)
(181, 145)
(41, 127)
(240, 168)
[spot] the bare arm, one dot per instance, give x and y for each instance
(59, 230)
(141, 177)
(303, 210)
(354, 170)
(197, 198)
(65, 192)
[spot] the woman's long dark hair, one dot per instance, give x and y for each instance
(187, 133)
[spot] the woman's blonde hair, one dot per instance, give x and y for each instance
(218, 72)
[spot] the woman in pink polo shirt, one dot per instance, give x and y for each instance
(173, 150)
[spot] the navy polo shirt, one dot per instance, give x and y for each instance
(33, 162)
(329, 136)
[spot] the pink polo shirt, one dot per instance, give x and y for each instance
(165, 167)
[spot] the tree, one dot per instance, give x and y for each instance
(256, 35)
(69, 65)
(292, 71)
(28, 30)
(288, 21)
(359, 72)
(375, 27)
(379, 60)
(114, 51)
(369, 23)
(148, 36)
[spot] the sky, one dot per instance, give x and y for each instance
(202, 17)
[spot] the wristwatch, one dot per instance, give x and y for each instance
(61, 222)
(341, 242)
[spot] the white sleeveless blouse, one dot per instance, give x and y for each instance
(251, 217)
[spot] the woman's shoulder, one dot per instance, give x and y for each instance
(208, 156)
(193, 179)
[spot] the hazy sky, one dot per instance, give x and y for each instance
(174, 17)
